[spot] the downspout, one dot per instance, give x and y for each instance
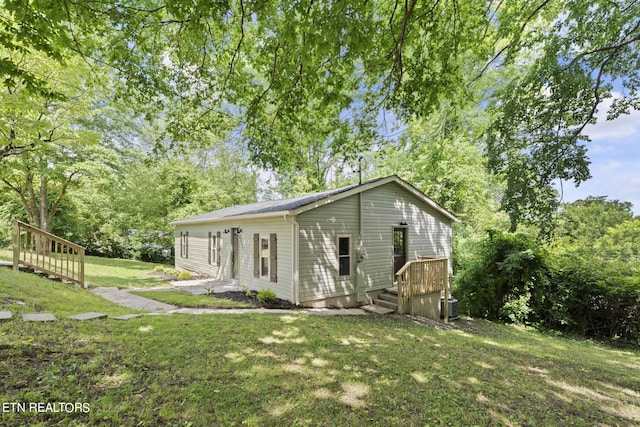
(295, 241)
(361, 256)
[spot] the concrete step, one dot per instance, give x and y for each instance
(386, 304)
(393, 290)
(388, 297)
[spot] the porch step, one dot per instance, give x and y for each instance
(388, 297)
(386, 304)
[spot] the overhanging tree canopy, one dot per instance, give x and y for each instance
(541, 67)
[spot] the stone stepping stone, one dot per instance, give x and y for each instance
(5, 315)
(126, 316)
(88, 316)
(377, 309)
(38, 317)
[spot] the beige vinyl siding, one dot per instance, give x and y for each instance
(428, 232)
(318, 239)
(198, 254)
(198, 260)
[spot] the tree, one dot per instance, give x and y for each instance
(442, 156)
(621, 244)
(201, 62)
(48, 149)
(583, 222)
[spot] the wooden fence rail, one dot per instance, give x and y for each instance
(47, 253)
(421, 277)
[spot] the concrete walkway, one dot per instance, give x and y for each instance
(132, 301)
(200, 287)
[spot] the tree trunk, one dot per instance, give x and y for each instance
(44, 204)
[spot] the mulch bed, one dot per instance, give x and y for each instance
(243, 297)
(233, 295)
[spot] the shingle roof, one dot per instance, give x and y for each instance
(284, 205)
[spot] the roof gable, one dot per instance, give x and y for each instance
(307, 202)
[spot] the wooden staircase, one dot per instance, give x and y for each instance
(386, 303)
(47, 254)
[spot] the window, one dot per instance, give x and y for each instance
(184, 244)
(344, 255)
(214, 248)
(264, 257)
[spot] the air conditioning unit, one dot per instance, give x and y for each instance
(453, 308)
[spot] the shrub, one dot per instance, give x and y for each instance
(170, 271)
(184, 275)
(506, 281)
(266, 296)
(158, 268)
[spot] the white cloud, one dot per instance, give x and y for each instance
(611, 165)
(621, 128)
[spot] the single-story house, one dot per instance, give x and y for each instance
(337, 248)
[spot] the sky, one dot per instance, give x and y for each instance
(615, 160)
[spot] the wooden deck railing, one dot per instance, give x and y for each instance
(48, 253)
(421, 277)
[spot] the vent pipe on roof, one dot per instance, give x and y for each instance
(360, 170)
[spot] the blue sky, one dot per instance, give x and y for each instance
(615, 160)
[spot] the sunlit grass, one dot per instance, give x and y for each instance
(28, 293)
(266, 369)
(185, 299)
(121, 273)
(296, 369)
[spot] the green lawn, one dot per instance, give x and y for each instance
(121, 273)
(185, 299)
(30, 293)
(301, 370)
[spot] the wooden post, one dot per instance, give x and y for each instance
(16, 245)
(446, 303)
(81, 267)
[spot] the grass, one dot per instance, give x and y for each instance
(29, 293)
(121, 273)
(263, 369)
(298, 370)
(185, 299)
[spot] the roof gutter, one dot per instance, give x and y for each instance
(231, 218)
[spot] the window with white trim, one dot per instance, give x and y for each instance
(184, 244)
(214, 248)
(344, 255)
(264, 256)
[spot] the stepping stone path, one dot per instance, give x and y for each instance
(88, 316)
(38, 317)
(5, 315)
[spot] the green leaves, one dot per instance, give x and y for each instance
(568, 64)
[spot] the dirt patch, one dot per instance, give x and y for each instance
(253, 300)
